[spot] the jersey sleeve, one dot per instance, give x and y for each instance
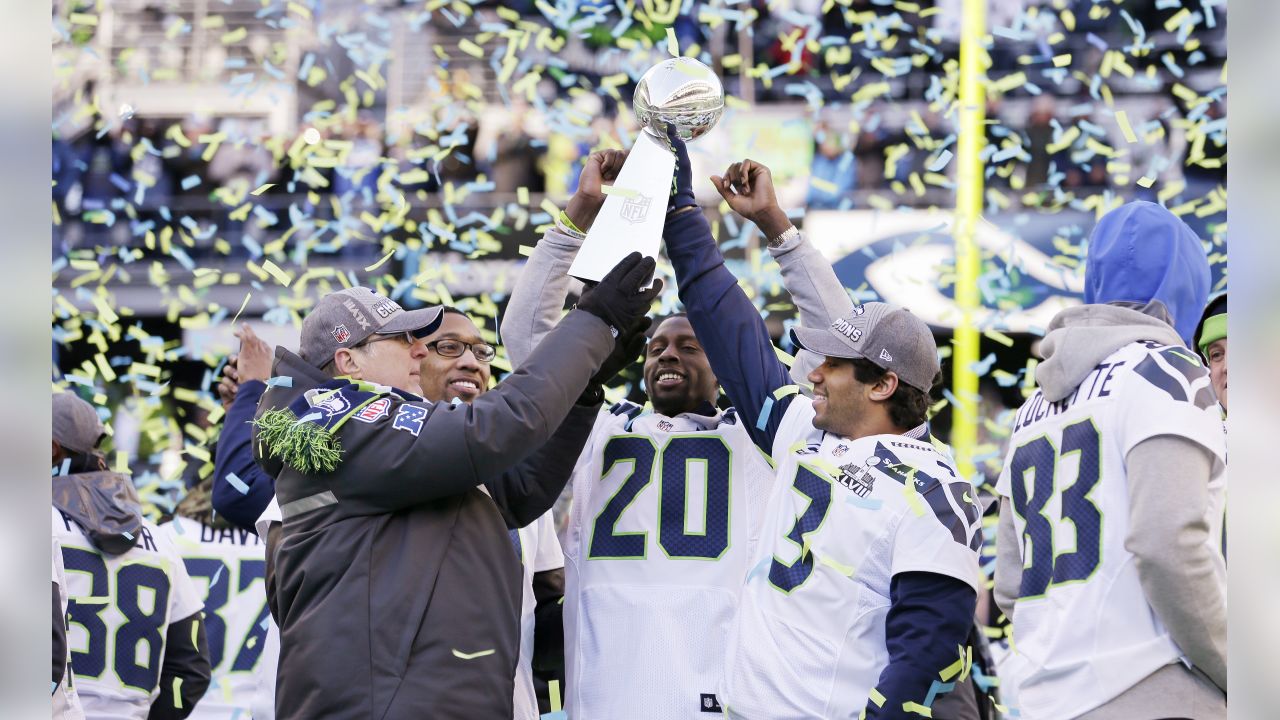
(547, 555)
(923, 544)
(1167, 392)
(184, 596)
(796, 425)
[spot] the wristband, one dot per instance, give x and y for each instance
(568, 227)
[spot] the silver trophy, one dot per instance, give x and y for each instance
(678, 92)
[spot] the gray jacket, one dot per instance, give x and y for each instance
(1181, 575)
(396, 586)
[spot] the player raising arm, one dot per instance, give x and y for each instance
(1106, 564)
(862, 589)
(666, 505)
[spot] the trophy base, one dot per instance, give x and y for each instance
(634, 211)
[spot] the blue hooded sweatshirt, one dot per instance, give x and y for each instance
(1141, 252)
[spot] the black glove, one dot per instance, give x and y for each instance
(682, 183)
(618, 299)
(625, 351)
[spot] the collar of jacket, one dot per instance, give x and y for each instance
(301, 427)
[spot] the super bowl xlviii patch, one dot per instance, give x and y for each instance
(341, 334)
(374, 411)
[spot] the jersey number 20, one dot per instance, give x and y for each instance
(1048, 567)
(675, 462)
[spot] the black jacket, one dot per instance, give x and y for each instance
(396, 590)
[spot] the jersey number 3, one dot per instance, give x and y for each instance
(1047, 566)
(676, 462)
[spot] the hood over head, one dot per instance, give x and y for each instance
(1141, 252)
(105, 504)
(1081, 337)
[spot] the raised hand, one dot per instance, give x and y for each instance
(618, 299)
(748, 188)
(253, 362)
(598, 171)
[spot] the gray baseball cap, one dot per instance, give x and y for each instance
(887, 336)
(348, 317)
(76, 426)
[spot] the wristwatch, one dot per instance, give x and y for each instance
(791, 233)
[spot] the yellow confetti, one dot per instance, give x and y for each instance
(280, 275)
(673, 45)
(1122, 119)
(378, 264)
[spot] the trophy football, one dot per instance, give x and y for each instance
(678, 92)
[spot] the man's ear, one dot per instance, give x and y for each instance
(884, 388)
(57, 452)
(346, 362)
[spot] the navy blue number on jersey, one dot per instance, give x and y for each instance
(1046, 568)
(88, 613)
(141, 625)
(218, 575)
(788, 577)
(676, 459)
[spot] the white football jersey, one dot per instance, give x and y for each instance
(121, 606)
(264, 699)
(229, 567)
(66, 704)
(539, 551)
(844, 517)
(666, 512)
(1083, 631)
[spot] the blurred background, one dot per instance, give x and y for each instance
(232, 160)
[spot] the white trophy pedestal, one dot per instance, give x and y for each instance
(634, 211)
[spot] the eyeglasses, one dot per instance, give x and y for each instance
(374, 338)
(451, 348)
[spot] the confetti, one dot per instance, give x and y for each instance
(237, 483)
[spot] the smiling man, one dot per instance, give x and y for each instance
(862, 587)
(394, 582)
(666, 505)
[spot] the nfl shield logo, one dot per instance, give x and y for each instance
(635, 209)
(341, 334)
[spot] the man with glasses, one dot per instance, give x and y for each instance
(393, 580)
(457, 367)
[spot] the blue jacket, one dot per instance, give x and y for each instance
(234, 455)
(930, 614)
(1141, 252)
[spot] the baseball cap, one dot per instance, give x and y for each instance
(76, 426)
(889, 337)
(1213, 323)
(346, 318)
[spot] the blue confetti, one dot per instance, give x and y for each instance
(237, 483)
(764, 413)
(280, 381)
(189, 182)
(865, 503)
